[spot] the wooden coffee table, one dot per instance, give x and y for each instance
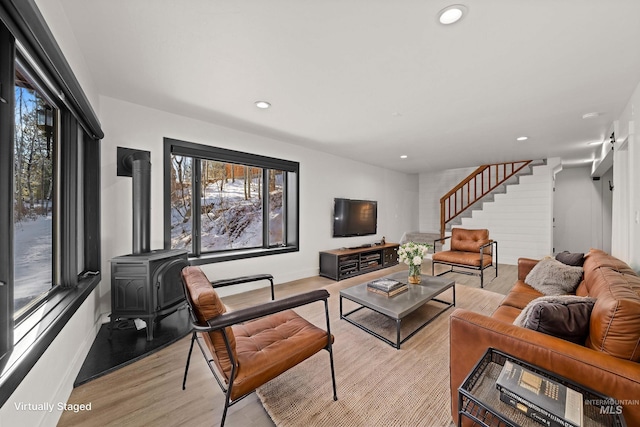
(399, 306)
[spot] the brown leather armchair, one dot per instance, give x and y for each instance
(470, 250)
(249, 347)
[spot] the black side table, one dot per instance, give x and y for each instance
(479, 399)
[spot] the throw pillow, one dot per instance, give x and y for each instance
(575, 259)
(562, 316)
(552, 277)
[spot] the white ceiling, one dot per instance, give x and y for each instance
(372, 79)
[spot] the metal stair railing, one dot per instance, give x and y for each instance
(474, 187)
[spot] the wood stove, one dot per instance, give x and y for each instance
(145, 284)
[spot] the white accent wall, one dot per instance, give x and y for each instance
(582, 211)
(520, 220)
(625, 239)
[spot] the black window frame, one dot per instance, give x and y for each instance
(23, 342)
(291, 198)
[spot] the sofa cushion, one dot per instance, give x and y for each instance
(464, 240)
(575, 259)
(520, 295)
(207, 304)
(506, 314)
(562, 316)
(471, 259)
(552, 277)
(615, 319)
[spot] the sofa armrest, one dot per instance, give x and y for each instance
(472, 333)
(524, 267)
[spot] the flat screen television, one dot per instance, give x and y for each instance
(354, 217)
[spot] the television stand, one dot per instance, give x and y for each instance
(343, 263)
(366, 245)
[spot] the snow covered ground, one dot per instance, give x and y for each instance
(228, 220)
(32, 259)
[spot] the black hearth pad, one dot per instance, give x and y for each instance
(127, 344)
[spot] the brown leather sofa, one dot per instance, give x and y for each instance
(608, 362)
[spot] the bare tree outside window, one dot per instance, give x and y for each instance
(34, 156)
(181, 215)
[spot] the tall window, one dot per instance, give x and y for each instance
(222, 201)
(49, 193)
(34, 154)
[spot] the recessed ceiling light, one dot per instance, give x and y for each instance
(452, 14)
(590, 115)
(522, 138)
(404, 156)
(263, 104)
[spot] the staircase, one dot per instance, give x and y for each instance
(517, 212)
(477, 188)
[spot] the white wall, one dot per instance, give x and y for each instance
(434, 185)
(625, 240)
(582, 211)
(322, 177)
(54, 15)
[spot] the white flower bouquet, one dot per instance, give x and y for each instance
(412, 254)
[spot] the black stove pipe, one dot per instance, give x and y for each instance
(140, 166)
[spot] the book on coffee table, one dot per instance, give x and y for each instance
(391, 293)
(386, 285)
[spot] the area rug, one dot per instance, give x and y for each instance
(377, 384)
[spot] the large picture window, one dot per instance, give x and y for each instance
(223, 204)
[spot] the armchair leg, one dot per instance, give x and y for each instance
(330, 350)
(186, 368)
(496, 245)
(226, 407)
(333, 374)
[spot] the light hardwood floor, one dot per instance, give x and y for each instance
(149, 392)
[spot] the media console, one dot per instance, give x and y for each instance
(340, 264)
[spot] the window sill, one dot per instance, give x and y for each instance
(242, 254)
(37, 331)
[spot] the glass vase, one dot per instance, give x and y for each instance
(414, 274)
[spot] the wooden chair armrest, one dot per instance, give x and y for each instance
(250, 313)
